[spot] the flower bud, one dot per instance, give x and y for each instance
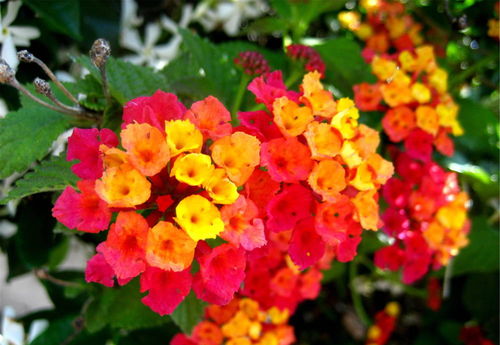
(6, 72)
(25, 56)
(42, 87)
(100, 52)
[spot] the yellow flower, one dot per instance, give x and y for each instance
(220, 188)
(199, 217)
(420, 93)
(193, 168)
(439, 80)
(346, 119)
(384, 69)
(183, 136)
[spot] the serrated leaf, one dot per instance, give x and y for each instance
(220, 75)
(121, 308)
(52, 175)
(127, 81)
(482, 253)
(26, 136)
(188, 313)
(344, 65)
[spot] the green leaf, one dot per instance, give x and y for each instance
(344, 65)
(57, 332)
(26, 136)
(34, 238)
(188, 313)
(121, 308)
(61, 15)
(481, 129)
(127, 81)
(480, 296)
(482, 253)
(219, 73)
(52, 175)
(268, 25)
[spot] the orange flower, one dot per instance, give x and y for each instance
(169, 247)
(238, 154)
(319, 100)
(367, 209)
(324, 141)
(367, 141)
(291, 118)
(146, 147)
(207, 333)
(327, 178)
(123, 186)
(398, 123)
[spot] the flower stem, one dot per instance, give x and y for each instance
(356, 297)
(245, 78)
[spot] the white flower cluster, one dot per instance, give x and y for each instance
(225, 14)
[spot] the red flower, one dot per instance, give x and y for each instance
(418, 145)
(83, 211)
(99, 271)
(390, 257)
(288, 207)
(268, 87)
(287, 160)
(260, 123)
(306, 246)
(367, 97)
(155, 110)
(166, 289)
(222, 269)
(124, 248)
(83, 144)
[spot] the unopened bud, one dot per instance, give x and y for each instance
(6, 72)
(100, 52)
(42, 87)
(25, 56)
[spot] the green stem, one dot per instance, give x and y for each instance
(356, 297)
(245, 78)
(461, 77)
(294, 76)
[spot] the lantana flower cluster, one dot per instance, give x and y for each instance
(427, 212)
(426, 217)
(241, 322)
(412, 92)
(387, 25)
(167, 192)
(319, 171)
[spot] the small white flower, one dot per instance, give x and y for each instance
(12, 36)
(12, 332)
(229, 14)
